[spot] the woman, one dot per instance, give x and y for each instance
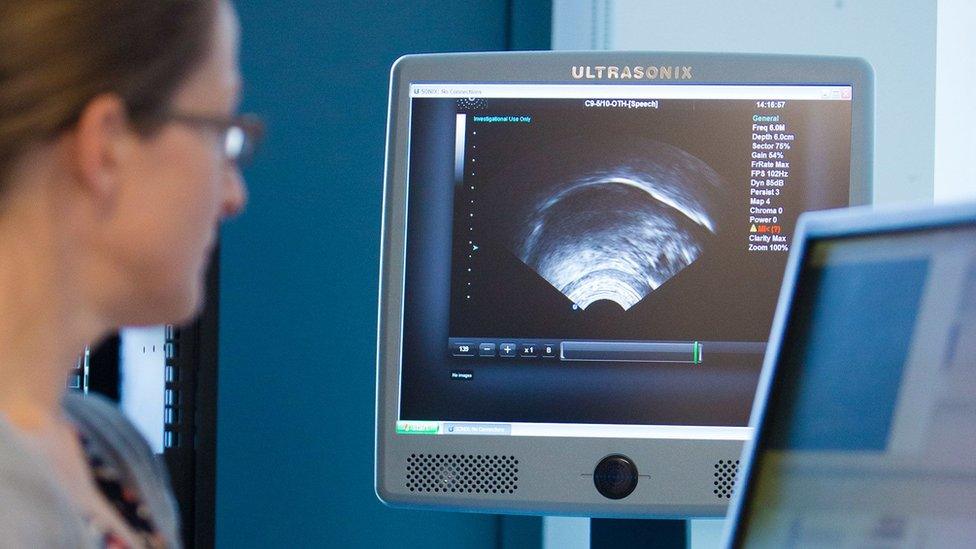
(118, 159)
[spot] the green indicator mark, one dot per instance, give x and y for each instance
(417, 427)
(696, 354)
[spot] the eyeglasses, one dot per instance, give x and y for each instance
(240, 135)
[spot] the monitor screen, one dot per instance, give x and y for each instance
(870, 434)
(604, 259)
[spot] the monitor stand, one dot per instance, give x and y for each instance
(622, 533)
(585, 533)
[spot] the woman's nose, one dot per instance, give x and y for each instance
(235, 194)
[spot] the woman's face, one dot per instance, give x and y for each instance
(174, 188)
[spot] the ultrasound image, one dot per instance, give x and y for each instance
(620, 211)
(618, 233)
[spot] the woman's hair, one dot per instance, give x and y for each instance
(57, 55)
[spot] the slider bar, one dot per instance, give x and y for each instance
(631, 351)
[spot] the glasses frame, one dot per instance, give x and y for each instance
(248, 129)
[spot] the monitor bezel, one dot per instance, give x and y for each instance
(552, 475)
(812, 228)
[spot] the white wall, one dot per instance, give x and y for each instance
(143, 363)
(897, 38)
(955, 102)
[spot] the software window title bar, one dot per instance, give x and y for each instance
(633, 91)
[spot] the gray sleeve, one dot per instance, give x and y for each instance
(32, 512)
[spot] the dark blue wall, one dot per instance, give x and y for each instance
(299, 271)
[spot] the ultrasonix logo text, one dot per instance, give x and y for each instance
(678, 72)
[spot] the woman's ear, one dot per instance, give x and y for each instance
(100, 145)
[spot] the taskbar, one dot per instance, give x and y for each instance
(685, 432)
(686, 352)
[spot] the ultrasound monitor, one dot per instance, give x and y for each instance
(580, 263)
(866, 413)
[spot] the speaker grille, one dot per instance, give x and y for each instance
(462, 473)
(725, 471)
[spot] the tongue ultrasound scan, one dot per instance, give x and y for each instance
(575, 258)
(617, 227)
